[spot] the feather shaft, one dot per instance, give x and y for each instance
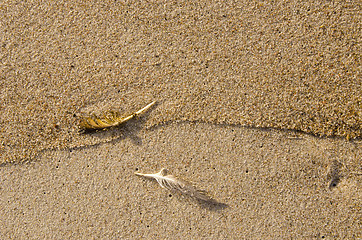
(145, 108)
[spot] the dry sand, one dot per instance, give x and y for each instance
(229, 78)
(284, 66)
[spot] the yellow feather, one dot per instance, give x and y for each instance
(109, 119)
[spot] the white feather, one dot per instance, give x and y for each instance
(174, 184)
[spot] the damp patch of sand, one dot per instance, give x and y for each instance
(272, 184)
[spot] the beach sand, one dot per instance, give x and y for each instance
(257, 103)
(270, 185)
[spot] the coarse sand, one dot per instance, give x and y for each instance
(287, 66)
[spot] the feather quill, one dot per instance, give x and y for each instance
(109, 119)
(174, 184)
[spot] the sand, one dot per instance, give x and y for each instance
(272, 185)
(258, 103)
